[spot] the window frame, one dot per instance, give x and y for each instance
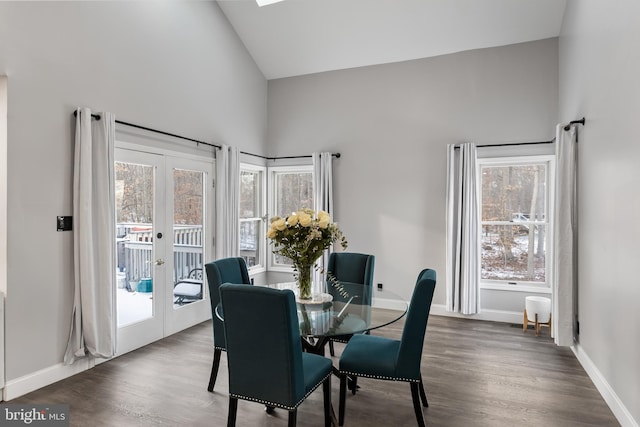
(261, 241)
(521, 160)
(272, 265)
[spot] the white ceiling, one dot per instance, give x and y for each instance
(298, 37)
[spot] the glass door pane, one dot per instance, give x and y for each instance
(191, 243)
(161, 238)
(188, 228)
(139, 194)
(134, 188)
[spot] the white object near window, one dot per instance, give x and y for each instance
(538, 312)
(540, 306)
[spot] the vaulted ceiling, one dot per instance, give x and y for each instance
(297, 37)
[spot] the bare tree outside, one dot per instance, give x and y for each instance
(514, 222)
(134, 193)
(251, 223)
(294, 191)
(188, 197)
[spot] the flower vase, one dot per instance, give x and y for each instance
(303, 280)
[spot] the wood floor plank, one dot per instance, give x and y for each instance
(475, 374)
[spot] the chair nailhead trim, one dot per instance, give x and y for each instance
(220, 348)
(278, 405)
(380, 377)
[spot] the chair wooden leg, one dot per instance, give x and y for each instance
(326, 390)
(525, 321)
(415, 396)
(353, 384)
(423, 395)
(233, 409)
(537, 326)
(343, 398)
(214, 369)
(550, 325)
(331, 350)
(293, 417)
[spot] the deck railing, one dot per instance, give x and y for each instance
(135, 260)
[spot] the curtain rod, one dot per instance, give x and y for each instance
(336, 155)
(97, 117)
(574, 122)
(567, 127)
(506, 144)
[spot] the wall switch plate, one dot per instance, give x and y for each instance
(64, 223)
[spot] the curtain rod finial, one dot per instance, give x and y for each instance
(574, 122)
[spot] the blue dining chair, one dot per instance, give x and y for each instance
(264, 352)
(394, 360)
(354, 275)
(225, 270)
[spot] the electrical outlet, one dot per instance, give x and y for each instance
(379, 286)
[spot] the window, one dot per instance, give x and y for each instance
(515, 223)
(291, 189)
(252, 213)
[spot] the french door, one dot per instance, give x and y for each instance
(163, 238)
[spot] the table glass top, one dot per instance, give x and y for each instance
(342, 311)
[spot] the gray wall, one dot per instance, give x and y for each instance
(180, 67)
(175, 66)
(392, 123)
(599, 70)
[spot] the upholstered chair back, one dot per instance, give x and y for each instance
(226, 270)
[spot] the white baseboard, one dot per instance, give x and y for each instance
(44, 377)
(608, 394)
(440, 310)
(489, 315)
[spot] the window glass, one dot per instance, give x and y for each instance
(515, 228)
(252, 208)
(292, 189)
(250, 194)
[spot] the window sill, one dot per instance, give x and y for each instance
(515, 288)
(256, 270)
(280, 269)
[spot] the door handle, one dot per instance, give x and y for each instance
(159, 262)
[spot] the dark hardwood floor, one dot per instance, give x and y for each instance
(475, 373)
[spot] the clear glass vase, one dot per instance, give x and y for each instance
(304, 280)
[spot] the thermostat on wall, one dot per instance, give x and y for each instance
(64, 223)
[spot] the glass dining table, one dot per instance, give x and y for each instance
(347, 312)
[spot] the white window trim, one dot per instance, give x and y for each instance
(498, 285)
(272, 171)
(262, 242)
(524, 286)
